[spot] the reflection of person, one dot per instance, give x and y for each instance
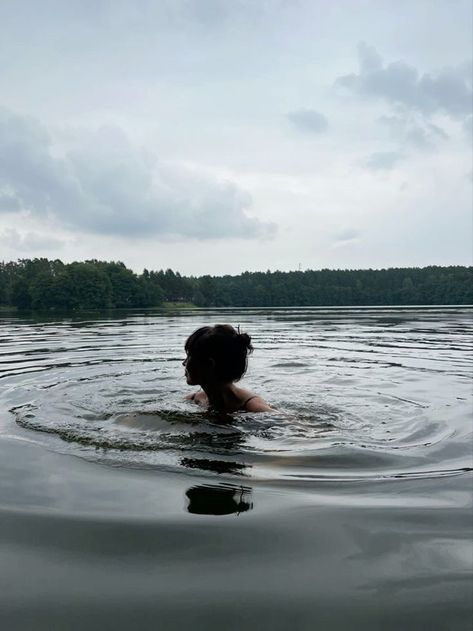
(216, 466)
(217, 357)
(218, 500)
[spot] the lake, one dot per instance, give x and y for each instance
(122, 506)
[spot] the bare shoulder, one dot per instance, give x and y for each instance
(198, 397)
(257, 404)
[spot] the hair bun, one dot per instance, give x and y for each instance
(245, 340)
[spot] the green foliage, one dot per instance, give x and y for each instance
(20, 295)
(45, 285)
(40, 284)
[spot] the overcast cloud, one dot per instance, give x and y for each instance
(25, 242)
(446, 90)
(217, 136)
(108, 186)
(309, 121)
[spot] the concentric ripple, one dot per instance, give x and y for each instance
(372, 394)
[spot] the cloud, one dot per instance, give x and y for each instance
(468, 127)
(411, 130)
(9, 203)
(346, 235)
(447, 91)
(108, 186)
(383, 160)
(29, 241)
(308, 121)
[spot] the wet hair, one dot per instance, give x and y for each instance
(227, 347)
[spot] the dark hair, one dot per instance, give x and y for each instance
(227, 347)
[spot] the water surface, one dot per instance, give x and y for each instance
(349, 506)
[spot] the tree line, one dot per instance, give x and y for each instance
(43, 284)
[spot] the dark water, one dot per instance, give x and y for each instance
(124, 507)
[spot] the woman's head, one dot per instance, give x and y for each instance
(216, 353)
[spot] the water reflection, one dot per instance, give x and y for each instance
(216, 466)
(219, 500)
(361, 476)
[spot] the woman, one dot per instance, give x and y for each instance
(217, 357)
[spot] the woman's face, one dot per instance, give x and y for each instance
(195, 371)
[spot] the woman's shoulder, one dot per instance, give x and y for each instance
(257, 404)
(253, 402)
(198, 397)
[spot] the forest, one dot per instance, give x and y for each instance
(41, 284)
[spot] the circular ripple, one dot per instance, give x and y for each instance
(123, 419)
(355, 398)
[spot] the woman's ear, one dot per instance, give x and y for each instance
(210, 361)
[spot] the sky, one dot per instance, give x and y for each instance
(219, 136)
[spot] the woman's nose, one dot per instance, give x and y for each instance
(184, 362)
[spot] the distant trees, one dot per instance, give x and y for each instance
(41, 284)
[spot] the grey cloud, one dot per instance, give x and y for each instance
(412, 130)
(383, 160)
(29, 174)
(468, 127)
(419, 138)
(346, 235)
(8, 203)
(308, 121)
(29, 241)
(435, 130)
(108, 186)
(448, 91)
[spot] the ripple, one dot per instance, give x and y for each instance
(319, 442)
(345, 408)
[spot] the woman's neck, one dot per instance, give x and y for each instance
(221, 396)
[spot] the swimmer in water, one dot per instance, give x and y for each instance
(216, 358)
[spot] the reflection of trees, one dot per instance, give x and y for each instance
(225, 499)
